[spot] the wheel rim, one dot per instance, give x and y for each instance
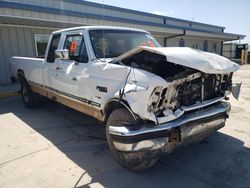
(25, 94)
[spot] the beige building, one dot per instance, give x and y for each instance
(25, 26)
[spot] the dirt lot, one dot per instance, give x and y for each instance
(54, 146)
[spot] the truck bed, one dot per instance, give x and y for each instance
(32, 68)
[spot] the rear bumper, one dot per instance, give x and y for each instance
(189, 128)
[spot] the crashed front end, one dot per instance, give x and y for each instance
(188, 106)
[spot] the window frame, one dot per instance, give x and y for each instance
(35, 40)
(83, 41)
(50, 42)
(107, 30)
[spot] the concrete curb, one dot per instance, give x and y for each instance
(9, 94)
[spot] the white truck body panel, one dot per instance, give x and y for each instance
(33, 67)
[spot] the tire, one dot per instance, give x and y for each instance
(137, 162)
(29, 98)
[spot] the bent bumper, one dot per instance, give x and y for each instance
(189, 128)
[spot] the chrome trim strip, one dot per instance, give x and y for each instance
(202, 104)
(205, 113)
(89, 102)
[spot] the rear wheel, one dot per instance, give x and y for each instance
(29, 98)
(136, 161)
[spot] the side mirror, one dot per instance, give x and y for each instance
(62, 54)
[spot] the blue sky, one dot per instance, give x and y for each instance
(232, 14)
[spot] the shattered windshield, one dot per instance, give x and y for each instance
(112, 43)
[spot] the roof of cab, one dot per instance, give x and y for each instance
(98, 27)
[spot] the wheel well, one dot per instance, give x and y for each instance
(114, 104)
(21, 76)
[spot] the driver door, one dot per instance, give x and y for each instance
(67, 76)
(70, 74)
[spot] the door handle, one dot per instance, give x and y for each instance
(58, 68)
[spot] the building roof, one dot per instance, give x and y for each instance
(138, 12)
(147, 21)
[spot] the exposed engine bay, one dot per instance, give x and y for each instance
(186, 86)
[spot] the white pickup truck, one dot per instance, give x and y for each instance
(153, 99)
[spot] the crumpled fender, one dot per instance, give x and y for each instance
(138, 97)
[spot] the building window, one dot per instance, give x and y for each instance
(215, 47)
(205, 45)
(181, 43)
(197, 46)
(41, 42)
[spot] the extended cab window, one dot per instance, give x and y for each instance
(77, 48)
(52, 47)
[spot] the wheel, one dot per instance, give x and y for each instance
(29, 98)
(138, 161)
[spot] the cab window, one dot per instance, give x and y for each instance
(52, 47)
(77, 48)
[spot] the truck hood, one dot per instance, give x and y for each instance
(203, 61)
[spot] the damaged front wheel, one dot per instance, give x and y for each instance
(134, 161)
